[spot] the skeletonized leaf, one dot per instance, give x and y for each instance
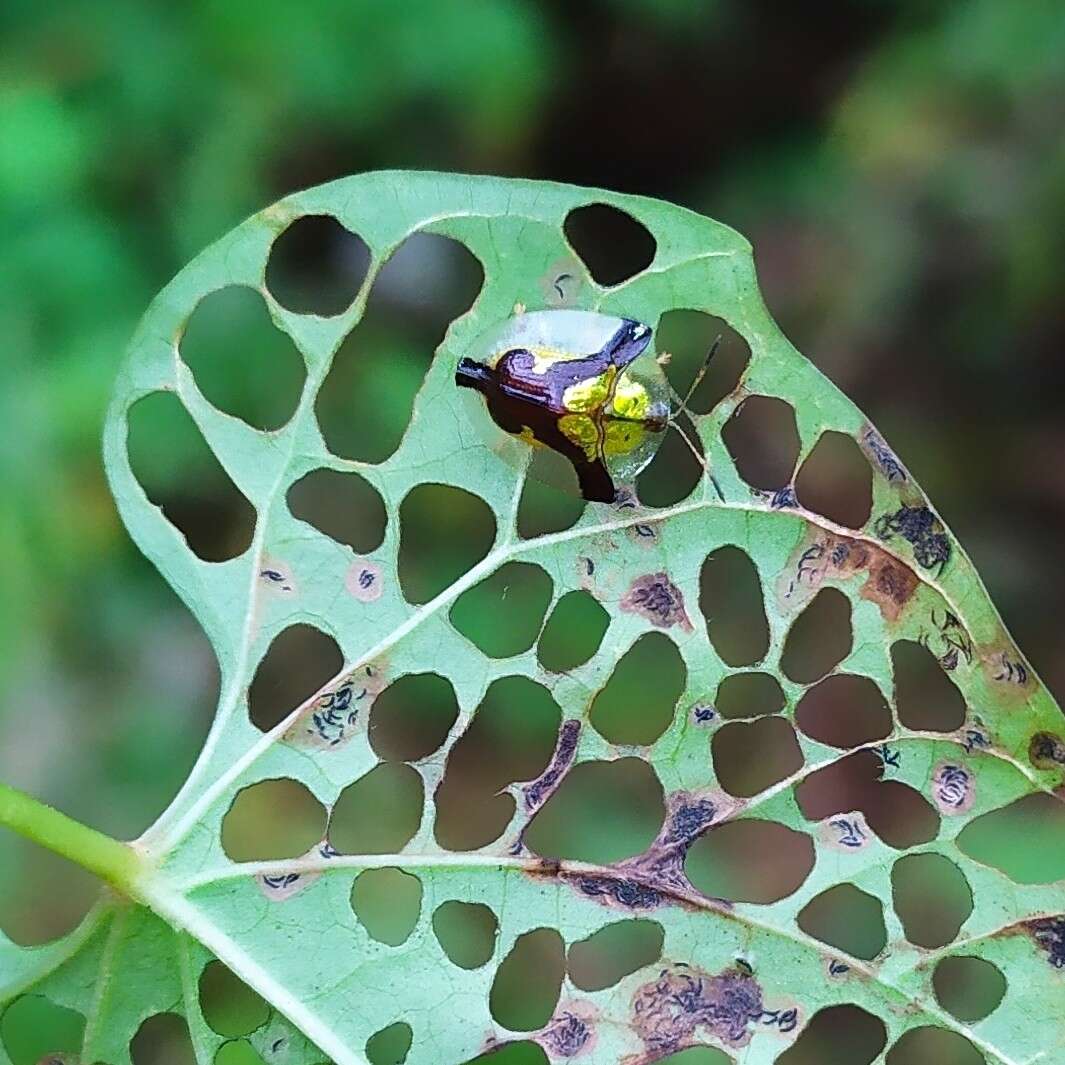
(747, 663)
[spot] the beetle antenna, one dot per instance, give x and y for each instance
(699, 457)
(683, 408)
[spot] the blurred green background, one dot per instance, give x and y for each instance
(898, 164)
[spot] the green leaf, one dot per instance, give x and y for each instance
(717, 807)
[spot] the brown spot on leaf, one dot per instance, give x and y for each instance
(890, 585)
(1047, 751)
(364, 581)
(823, 556)
(656, 598)
(1049, 935)
(275, 576)
(284, 884)
(1008, 668)
(953, 789)
(847, 831)
(669, 1010)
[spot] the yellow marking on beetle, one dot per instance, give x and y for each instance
(582, 431)
(590, 394)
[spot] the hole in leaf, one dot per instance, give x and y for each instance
(527, 984)
(237, 1052)
(317, 266)
(674, 472)
(730, 598)
(750, 757)
(637, 704)
(750, 861)
(391, 1045)
(467, 932)
(900, 815)
(523, 1053)
(926, 698)
(229, 1006)
(836, 481)
(749, 695)
(412, 717)
(33, 1028)
(365, 403)
(299, 661)
(23, 918)
(844, 711)
(511, 738)
(897, 813)
(550, 498)
(387, 903)
(1025, 839)
(271, 820)
(443, 533)
(933, 1046)
(840, 787)
(688, 337)
(602, 812)
(819, 639)
(613, 953)
(968, 988)
(932, 898)
(610, 242)
(848, 919)
(180, 474)
(503, 614)
(846, 1034)
(573, 632)
(763, 440)
(696, 1056)
(241, 361)
(162, 1040)
(344, 506)
(395, 795)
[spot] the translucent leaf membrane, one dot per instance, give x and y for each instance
(821, 823)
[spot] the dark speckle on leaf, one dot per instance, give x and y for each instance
(689, 820)
(668, 1010)
(566, 1035)
(537, 792)
(919, 527)
(885, 458)
(628, 893)
(1011, 670)
(1049, 933)
(656, 598)
(1046, 750)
